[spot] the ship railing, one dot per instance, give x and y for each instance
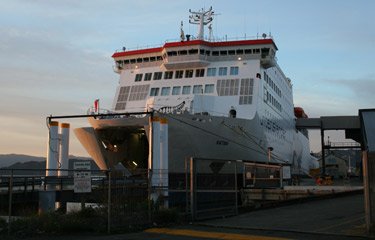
(225, 38)
(172, 109)
(93, 111)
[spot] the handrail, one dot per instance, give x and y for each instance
(169, 109)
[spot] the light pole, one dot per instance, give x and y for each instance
(270, 149)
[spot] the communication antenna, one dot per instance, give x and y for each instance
(201, 18)
(210, 33)
(182, 34)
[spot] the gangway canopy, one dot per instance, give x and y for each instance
(329, 123)
(368, 129)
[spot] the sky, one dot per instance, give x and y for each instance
(55, 56)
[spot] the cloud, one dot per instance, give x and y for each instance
(362, 89)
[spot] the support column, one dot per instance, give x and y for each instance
(164, 159)
(369, 193)
(52, 149)
(323, 150)
(155, 158)
(64, 149)
(47, 198)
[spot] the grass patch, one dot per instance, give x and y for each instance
(55, 223)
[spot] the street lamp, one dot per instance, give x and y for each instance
(270, 149)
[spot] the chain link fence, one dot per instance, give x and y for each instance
(119, 201)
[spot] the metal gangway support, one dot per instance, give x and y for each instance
(361, 129)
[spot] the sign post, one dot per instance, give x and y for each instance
(82, 177)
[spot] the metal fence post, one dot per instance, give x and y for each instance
(235, 187)
(192, 189)
(109, 203)
(186, 188)
(10, 202)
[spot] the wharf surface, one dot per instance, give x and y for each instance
(339, 217)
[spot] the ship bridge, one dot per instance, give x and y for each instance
(198, 53)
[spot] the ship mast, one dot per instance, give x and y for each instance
(201, 18)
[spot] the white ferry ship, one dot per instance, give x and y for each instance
(221, 100)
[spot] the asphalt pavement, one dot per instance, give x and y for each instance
(333, 218)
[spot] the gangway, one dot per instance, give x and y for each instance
(361, 129)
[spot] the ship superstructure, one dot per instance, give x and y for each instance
(222, 100)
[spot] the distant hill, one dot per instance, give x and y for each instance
(9, 159)
(25, 161)
(24, 167)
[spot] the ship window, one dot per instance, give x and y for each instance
(120, 106)
(176, 90)
(126, 61)
(182, 52)
(186, 90)
(222, 71)
(154, 92)
(246, 100)
(157, 75)
(159, 58)
(246, 91)
(165, 91)
(215, 53)
(239, 51)
(227, 87)
(199, 72)
(179, 74)
(132, 60)
(193, 51)
(139, 60)
(197, 89)
(233, 71)
(189, 73)
(138, 92)
(248, 51)
(257, 50)
(148, 76)
(265, 52)
(231, 52)
(152, 59)
(172, 53)
(122, 98)
(208, 53)
(211, 72)
(168, 75)
(138, 77)
(146, 59)
(201, 51)
(223, 53)
(209, 88)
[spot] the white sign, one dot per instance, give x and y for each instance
(82, 178)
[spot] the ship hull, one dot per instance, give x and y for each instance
(127, 140)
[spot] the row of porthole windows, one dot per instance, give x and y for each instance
(188, 73)
(184, 90)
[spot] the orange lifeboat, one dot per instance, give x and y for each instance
(300, 113)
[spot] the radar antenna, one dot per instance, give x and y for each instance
(202, 18)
